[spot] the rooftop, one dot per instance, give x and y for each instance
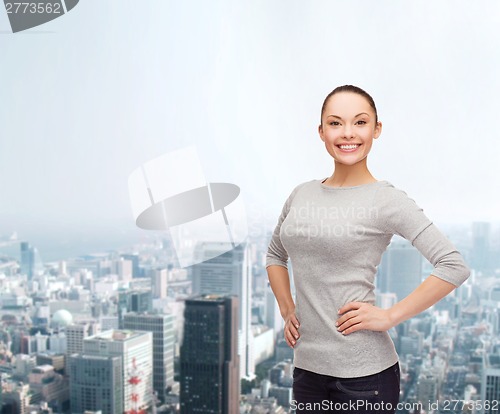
(116, 335)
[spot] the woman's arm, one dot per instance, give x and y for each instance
(280, 284)
(367, 316)
(405, 218)
(279, 279)
(450, 271)
(429, 292)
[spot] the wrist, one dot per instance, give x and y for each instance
(394, 316)
(287, 310)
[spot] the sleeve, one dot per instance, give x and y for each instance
(448, 263)
(402, 216)
(276, 252)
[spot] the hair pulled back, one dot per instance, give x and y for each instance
(353, 89)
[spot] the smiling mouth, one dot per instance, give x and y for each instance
(348, 147)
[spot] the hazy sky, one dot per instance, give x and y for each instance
(89, 97)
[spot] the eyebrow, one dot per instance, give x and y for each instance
(336, 116)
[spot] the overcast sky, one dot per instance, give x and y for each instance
(89, 97)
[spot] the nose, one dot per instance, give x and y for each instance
(348, 132)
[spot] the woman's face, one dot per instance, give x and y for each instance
(349, 127)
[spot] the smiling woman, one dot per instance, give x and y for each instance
(342, 350)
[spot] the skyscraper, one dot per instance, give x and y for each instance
(75, 335)
(159, 283)
(210, 381)
(136, 352)
(134, 258)
(139, 301)
(273, 316)
(480, 259)
(96, 383)
(400, 271)
(229, 274)
(27, 260)
(123, 268)
(162, 328)
(490, 384)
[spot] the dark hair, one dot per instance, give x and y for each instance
(349, 88)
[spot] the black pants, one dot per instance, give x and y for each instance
(371, 394)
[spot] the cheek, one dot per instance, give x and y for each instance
(367, 137)
(332, 136)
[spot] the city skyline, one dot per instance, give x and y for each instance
(38, 347)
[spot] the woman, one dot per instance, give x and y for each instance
(335, 232)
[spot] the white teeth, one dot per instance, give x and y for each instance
(349, 146)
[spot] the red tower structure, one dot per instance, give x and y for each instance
(134, 380)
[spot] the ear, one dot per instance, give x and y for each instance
(320, 131)
(378, 130)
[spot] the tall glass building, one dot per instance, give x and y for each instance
(229, 273)
(209, 361)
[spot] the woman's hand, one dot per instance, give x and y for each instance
(362, 315)
(291, 331)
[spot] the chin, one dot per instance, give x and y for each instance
(349, 162)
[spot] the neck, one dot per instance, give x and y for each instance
(351, 175)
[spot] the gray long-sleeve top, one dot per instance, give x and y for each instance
(335, 238)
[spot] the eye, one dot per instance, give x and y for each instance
(335, 123)
(362, 122)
